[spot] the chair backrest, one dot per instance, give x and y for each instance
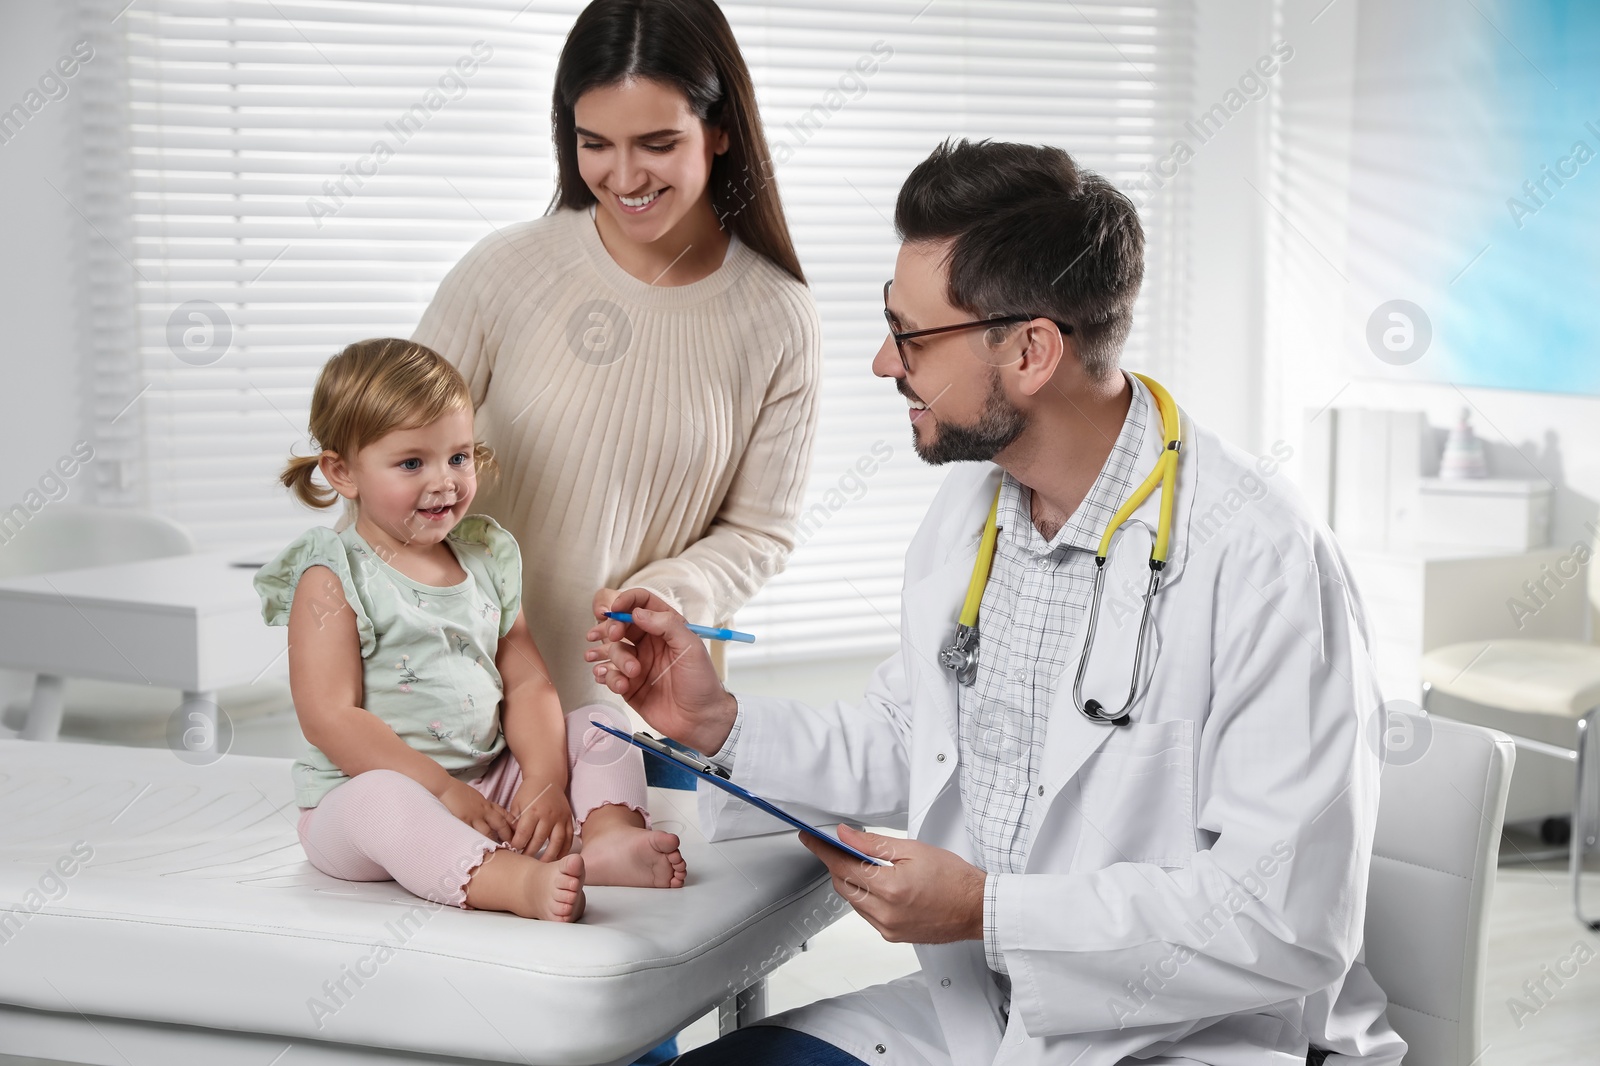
(1442, 804)
(67, 536)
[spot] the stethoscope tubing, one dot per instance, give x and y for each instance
(961, 655)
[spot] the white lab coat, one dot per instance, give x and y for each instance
(1246, 744)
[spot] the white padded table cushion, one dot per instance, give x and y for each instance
(198, 907)
(1534, 676)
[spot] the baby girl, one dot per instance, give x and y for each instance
(438, 754)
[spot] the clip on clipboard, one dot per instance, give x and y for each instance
(716, 775)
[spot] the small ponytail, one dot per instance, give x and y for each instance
(296, 477)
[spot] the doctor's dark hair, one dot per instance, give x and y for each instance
(1033, 234)
(368, 390)
(688, 46)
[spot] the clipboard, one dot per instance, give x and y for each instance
(708, 771)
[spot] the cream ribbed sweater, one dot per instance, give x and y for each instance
(664, 443)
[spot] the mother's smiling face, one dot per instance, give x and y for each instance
(645, 155)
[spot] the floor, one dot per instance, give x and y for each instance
(1531, 923)
(1531, 928)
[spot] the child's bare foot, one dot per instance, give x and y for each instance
(550, 891)
(635, 857)
(619, 850)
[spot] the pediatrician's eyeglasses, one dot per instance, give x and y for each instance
(901, 338)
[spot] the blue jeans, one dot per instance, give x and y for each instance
(661, 1055)
(769, 1045)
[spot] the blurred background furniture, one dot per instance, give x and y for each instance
(1432, 881)
(1470, 603)
(115, 623)
(1546, 695)
(1424, 598)
(1534, 690)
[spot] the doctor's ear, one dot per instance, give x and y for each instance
(1037, 347)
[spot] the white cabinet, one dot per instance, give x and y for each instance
(1504, 514)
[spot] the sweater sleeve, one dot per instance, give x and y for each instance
(454, 324)
(750, 539)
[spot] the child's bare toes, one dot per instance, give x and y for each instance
(556, 890)
(636, 858)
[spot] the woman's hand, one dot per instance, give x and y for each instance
(662, 670)
(541, 812)
(474, 808)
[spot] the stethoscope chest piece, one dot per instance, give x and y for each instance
(961, 654)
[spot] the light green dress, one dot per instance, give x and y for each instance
(428, 652)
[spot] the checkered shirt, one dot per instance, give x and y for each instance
(1037, 597)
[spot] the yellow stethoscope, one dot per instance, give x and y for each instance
(961, 654)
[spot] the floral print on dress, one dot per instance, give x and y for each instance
(407, 675)
(429, 650)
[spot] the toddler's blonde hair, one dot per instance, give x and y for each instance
(368, 390)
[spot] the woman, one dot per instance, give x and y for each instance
(645, 358)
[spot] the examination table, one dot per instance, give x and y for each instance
(158, 912)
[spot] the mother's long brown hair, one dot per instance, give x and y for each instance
(688, 45)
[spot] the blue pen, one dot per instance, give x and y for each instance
(709, 632)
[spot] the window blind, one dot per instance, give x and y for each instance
(267, 180)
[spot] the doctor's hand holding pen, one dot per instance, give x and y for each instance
(662, 670)
(929, 896)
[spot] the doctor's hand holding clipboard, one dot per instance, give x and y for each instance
(926, 896)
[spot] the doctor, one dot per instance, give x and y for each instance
(1088, 879)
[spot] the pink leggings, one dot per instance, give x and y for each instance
(382, 825)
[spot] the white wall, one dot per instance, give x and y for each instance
(44, 411)
(1218, 362)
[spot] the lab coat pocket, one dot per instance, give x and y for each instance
(1136, 797)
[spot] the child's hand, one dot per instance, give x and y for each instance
(541, 811)
(474, 808)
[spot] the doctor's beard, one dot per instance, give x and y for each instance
(999, 425)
